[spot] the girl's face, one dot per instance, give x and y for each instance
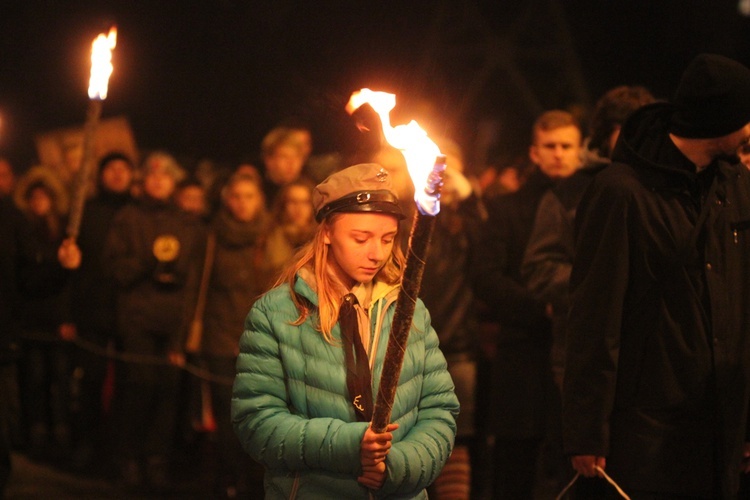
(40, 202)
(298, 208)
(359, 245)
(244, 201)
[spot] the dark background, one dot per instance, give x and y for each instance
(207, 79)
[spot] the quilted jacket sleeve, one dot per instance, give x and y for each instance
(263, 420)
(415, 461)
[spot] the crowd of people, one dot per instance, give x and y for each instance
(590, 308)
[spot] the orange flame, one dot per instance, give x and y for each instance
(419, 151)
(101, 64)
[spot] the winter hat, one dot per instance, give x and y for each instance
(161, 161)
(365, 187)
(113, 157)
(712, 99)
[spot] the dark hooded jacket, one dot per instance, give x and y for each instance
(43, 284)
(657, 361)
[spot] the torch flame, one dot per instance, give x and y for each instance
(419, 151)
(101, 64)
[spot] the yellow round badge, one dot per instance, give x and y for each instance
(166, 248)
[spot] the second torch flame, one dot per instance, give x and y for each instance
(101, 64)
(418, 149)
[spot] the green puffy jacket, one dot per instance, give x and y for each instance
(291, 411)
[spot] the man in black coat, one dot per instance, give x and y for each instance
(657, 361)
(521, 380)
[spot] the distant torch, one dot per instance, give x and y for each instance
(426, 166)
(101, 69)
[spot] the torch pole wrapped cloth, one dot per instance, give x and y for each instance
(82, 178)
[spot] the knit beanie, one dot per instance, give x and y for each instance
(712, 99)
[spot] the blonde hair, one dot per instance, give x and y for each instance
(277, 137)
(314, 256)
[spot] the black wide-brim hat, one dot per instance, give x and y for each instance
(365, 187)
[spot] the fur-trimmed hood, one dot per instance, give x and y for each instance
(50, 179)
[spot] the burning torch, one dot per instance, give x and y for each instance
(426, 166)
(101, 69)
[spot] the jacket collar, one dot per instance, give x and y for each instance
(306, 286)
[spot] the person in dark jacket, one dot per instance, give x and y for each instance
(658, 358)
(231, 281)
(44, 312)
(93, 302)
(521, 379)
(549, 254)
(151, 246)
(548, 258)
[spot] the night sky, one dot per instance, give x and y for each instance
(207, 79)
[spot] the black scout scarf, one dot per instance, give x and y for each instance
(358, 376)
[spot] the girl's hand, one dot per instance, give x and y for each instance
(373, 450)
(373, 476)
(374, 447)
(69, 255)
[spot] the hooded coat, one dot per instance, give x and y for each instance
(657, 361)
(43, 282)
(292, 412)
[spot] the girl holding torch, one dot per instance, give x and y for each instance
(312, 354)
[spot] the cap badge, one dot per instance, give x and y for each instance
(363, 197)
(382, 175)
